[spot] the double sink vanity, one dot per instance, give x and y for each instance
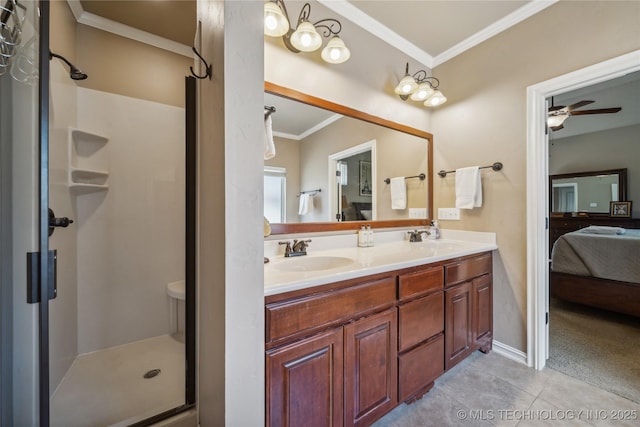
(353, 332)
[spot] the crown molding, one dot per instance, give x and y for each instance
(358, 17)
(497, 27)
(311, 130)
(119, 29)
(384, 33)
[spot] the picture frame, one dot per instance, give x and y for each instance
(620, 209)
(364, 182)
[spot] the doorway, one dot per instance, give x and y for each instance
(537, 192)
(351, 178)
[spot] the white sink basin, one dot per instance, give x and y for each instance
(313, 263)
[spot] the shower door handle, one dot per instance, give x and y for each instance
(57, 222)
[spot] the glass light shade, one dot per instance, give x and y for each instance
(275, 23)
(423, 91)
(556, 120)
(305, 38)
(406, 86)
(335, 52)
(436, 99)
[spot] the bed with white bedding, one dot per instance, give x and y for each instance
(598, 266)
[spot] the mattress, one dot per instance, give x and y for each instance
(605, 256)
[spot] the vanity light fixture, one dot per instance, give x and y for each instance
(305, 37)
(420, 87)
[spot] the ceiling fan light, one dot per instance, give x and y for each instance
(335, 52)
(276, 23)
(556, 120)
(305, 38)
(436, 99)
(406, 86)
(423, 92)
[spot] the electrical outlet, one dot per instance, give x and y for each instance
(418, 213)
(449, 213)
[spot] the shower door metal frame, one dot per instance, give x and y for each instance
(43, 214)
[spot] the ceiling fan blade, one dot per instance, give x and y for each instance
(556, 127)
(556, 108)
(578, 105)
(598, 111)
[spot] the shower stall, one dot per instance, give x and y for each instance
(114, 342)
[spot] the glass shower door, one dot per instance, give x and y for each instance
(23, 325)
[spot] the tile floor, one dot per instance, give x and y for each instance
(107, 387)
(486, 390)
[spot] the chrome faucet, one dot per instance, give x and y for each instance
(416, 235)
(298, 248)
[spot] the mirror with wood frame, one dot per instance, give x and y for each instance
(590, 192)
(334, 218)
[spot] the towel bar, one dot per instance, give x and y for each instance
(496, 167)
(421, 176)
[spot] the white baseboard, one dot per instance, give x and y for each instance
(510, 352)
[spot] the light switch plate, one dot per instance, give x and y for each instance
(418, 213)
(449, 213)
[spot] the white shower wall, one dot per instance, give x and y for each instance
(131, 237)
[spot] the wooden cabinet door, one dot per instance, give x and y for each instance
(371, 368)
(483, 312)
(304, 382)
(457, 327)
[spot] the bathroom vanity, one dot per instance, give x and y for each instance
(346, 344)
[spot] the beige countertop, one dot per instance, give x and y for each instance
(288, 274)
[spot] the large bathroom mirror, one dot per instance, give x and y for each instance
(589, 192)
(332, 166)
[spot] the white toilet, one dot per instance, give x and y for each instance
(175, 290)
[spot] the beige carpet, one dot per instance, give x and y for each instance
(596, 346)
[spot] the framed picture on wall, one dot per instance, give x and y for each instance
(365, 178)
(620, 209)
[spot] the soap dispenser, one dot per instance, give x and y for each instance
(369, 236)
(434, 231)
(362, 237)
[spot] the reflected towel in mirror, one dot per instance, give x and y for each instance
(269, 146)
(306, 204)
(468, 188)
(398, 193)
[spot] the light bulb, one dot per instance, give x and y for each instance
(305, 38)
(423, 92)
(406, 86)
(275, 22)
(335, 52)
(436, 99)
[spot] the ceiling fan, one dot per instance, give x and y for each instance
(559, 113)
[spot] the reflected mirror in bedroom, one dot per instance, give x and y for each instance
(589, 192)
(337, 159)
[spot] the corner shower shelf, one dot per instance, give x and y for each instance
(88, 162)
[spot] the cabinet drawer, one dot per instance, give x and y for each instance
(467, 269)
(420, 282)
(420, 320)
(299, 315)
(418, 368)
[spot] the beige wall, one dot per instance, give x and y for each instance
(485, 121)
(288, 157)
(609, 149)
(230, 224)
(398, 154)
(117, 64)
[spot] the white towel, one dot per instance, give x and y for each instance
(306, 204)
(468, 188)
(269, 146)
(398, 193)
(602, 229)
